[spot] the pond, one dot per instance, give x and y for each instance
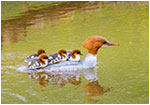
(122, 72)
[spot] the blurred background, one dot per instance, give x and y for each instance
(123, 73)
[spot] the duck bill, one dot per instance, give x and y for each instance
(113, 44)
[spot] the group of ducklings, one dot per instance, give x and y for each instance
(40, 59)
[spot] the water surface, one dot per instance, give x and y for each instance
(122, 76)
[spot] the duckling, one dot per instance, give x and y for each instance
(61, 56)
(37, 63)
(74, 55)
(40, 51)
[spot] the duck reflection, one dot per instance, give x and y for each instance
(54, 78)
(94, 89)
(60, 79)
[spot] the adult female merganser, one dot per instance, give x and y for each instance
(92, 44)
(40, 51)
(37, 63)
(74, 55)
(61, 56)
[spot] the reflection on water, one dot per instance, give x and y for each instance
(60, 79)
(14, 30)
(54, 78)
(66, 25)
(93, 88)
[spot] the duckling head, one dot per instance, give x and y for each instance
(62, 52)
(41, 51)
(75, 52)
(43, 58)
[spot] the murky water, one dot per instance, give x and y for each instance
(122, 75)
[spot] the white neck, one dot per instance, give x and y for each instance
(90, 60)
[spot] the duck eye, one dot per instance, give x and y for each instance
(78, 52)
(45, 57)
(104, 42)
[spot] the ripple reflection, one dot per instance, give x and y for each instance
(61, 79)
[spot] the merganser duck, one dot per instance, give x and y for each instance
(40, 51)
(92, 44)
(61, 56)
(37, 63)
(74, 55)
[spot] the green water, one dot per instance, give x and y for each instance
(123, 70)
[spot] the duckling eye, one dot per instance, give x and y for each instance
(45, 57)
(63, 52)
(78, 52)
(104, 42)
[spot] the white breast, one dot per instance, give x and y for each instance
(90, 60)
